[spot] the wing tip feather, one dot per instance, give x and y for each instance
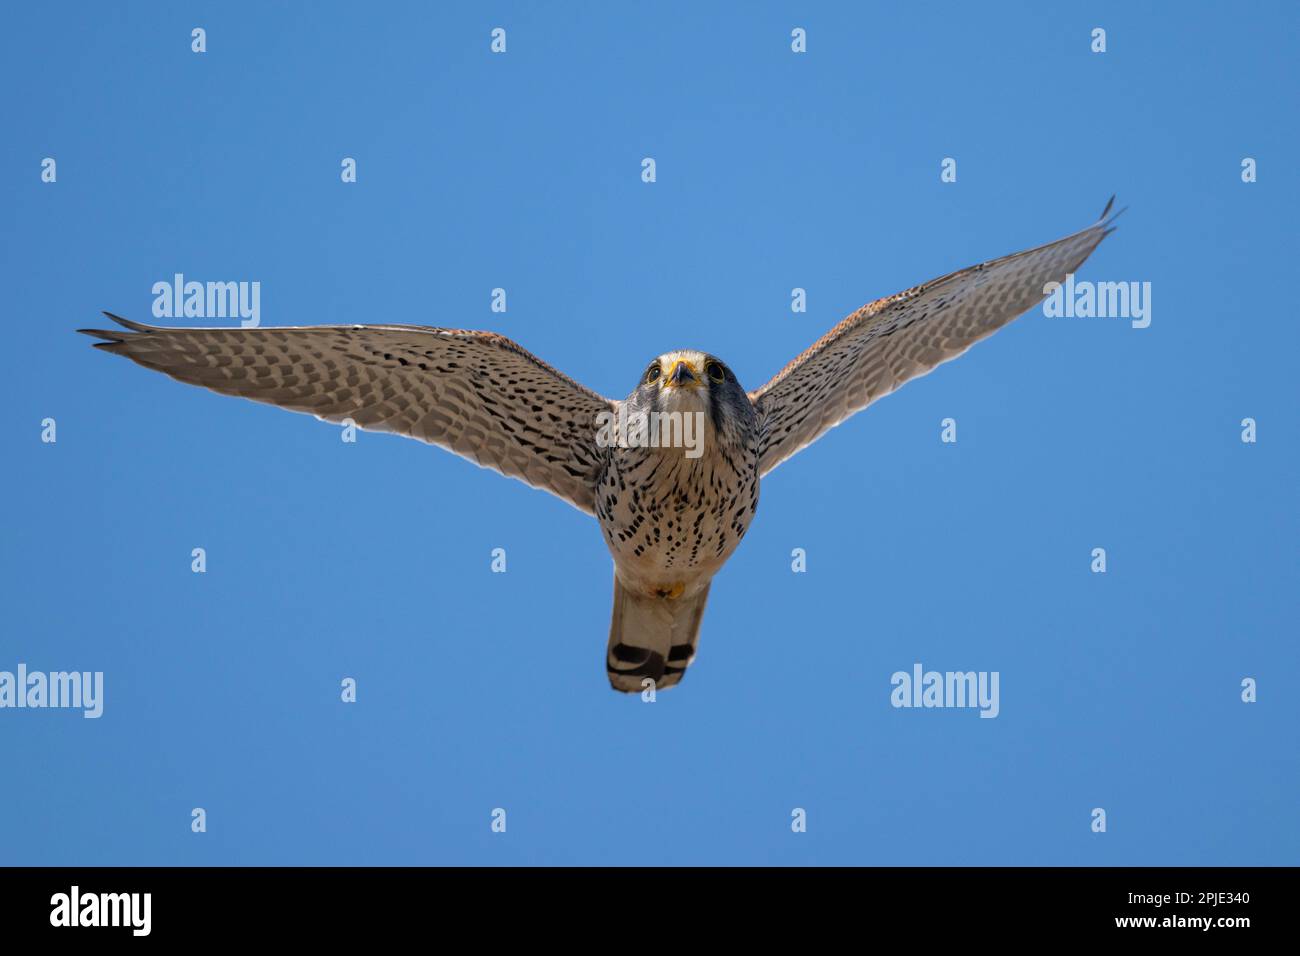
(128, 323)
(110, 334)
(116, 336)
(1107, 217)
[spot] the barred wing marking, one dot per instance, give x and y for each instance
(477, 394)
(894, 340)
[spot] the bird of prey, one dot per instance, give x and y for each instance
(670, 518)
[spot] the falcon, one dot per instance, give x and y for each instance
(670, 518)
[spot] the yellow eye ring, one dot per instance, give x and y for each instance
(715, 372)
(652, 374)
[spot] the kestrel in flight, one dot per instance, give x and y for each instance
(670, 517)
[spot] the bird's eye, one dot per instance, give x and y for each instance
(652, 374)
(715, 372)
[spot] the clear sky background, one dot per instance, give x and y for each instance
(775, 170)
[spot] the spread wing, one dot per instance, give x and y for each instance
(894, 340)
(474, 393)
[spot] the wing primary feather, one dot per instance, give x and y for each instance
(133, 326)
(112, 335)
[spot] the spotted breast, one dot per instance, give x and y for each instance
(673, 503)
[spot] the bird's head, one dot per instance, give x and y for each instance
(688, 381)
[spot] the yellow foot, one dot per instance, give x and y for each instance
(670, 593)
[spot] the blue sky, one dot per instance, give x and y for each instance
(775, 170)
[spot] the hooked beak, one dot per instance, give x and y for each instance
(682, 375)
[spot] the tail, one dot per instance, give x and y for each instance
(652, 637)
